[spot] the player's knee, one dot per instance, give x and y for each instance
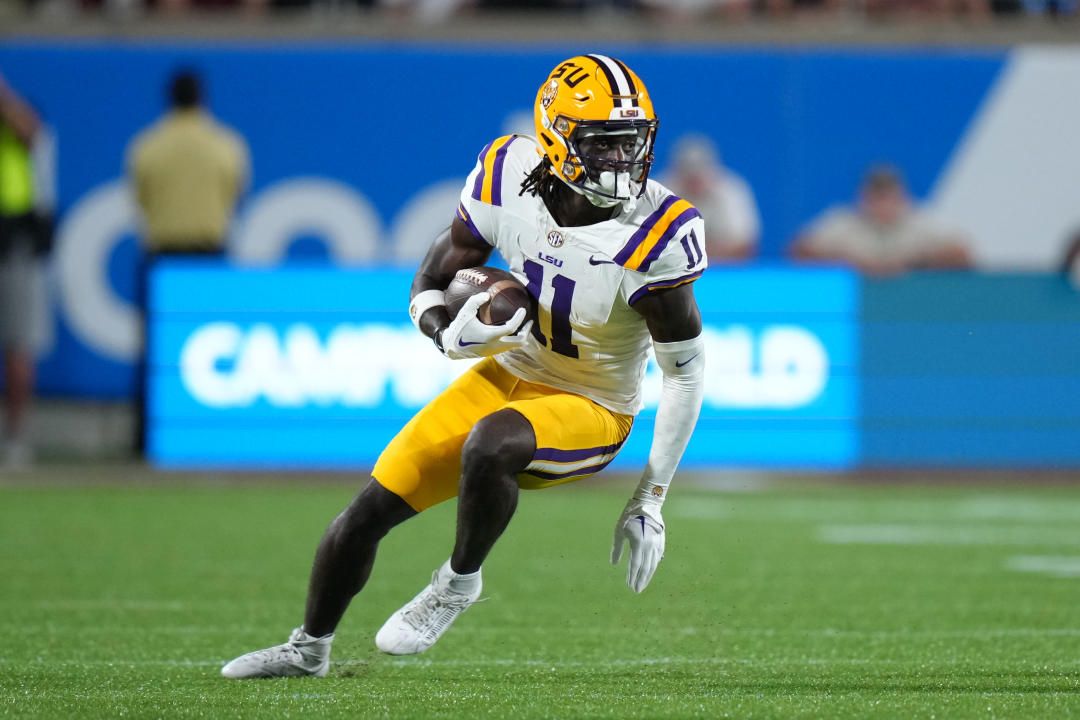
(497, 445)
(370, 516)
(352, 527)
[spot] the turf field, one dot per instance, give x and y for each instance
(794, 600)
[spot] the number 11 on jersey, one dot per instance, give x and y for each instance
(561, 330)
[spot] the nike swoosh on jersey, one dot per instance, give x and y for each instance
(594, 261)
(686, 362)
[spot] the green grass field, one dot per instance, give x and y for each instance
(796, 600)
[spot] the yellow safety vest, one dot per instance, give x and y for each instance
(16, 175)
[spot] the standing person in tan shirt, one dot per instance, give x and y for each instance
(187, 172)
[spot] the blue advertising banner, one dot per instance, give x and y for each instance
(317, 367)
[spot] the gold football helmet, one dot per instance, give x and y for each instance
(596, 125)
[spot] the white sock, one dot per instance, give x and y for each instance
(312, 648)
(464, 584)
(306, 637)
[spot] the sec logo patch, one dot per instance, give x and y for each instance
(555, 238)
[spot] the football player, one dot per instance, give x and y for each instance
(609, 258)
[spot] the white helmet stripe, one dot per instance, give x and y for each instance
(620, 81)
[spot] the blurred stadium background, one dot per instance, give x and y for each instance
(297, 355)
(359, 145)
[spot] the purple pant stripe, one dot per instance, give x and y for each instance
(572, 473)
(557, 455)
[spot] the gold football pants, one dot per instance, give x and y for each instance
(575, 437)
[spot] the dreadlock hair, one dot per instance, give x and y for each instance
(541, 181)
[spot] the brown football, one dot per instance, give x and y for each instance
(508, 294)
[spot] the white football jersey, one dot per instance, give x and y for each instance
(587, 339)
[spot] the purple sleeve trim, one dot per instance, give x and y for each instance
(663, 284)
(470, 224)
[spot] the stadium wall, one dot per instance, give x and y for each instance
(970, 370)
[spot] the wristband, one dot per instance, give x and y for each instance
(422, 302)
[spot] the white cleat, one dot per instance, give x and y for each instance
(416, 626)
(302, 656)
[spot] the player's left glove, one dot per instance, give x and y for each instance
(468, 337)
(642, 526)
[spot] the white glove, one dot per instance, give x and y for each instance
(642, 526)
(467, 337)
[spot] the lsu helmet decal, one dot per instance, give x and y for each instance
(596, 125)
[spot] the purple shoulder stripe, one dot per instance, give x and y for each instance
(663, 284)
(636, 239)
(478, 185)
(497, 170)
(494, 181)
(684, 217)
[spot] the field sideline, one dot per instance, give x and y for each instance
(800, 599)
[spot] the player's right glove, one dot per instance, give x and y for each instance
(642, 526)
(467, 337)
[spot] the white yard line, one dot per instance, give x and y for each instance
(1057, 566)
(900, 534)
(698, 508)
(1005, 507)
(378, 659)
(114, 604)
(74, 628)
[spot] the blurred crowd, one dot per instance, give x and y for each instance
(687, 10)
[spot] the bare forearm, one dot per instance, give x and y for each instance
(951, 256)
(452, 251)
(19, 115)
(448, 254)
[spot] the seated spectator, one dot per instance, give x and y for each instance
(883, 234)
(1071, 265)
(724, 199)
(688, 11)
